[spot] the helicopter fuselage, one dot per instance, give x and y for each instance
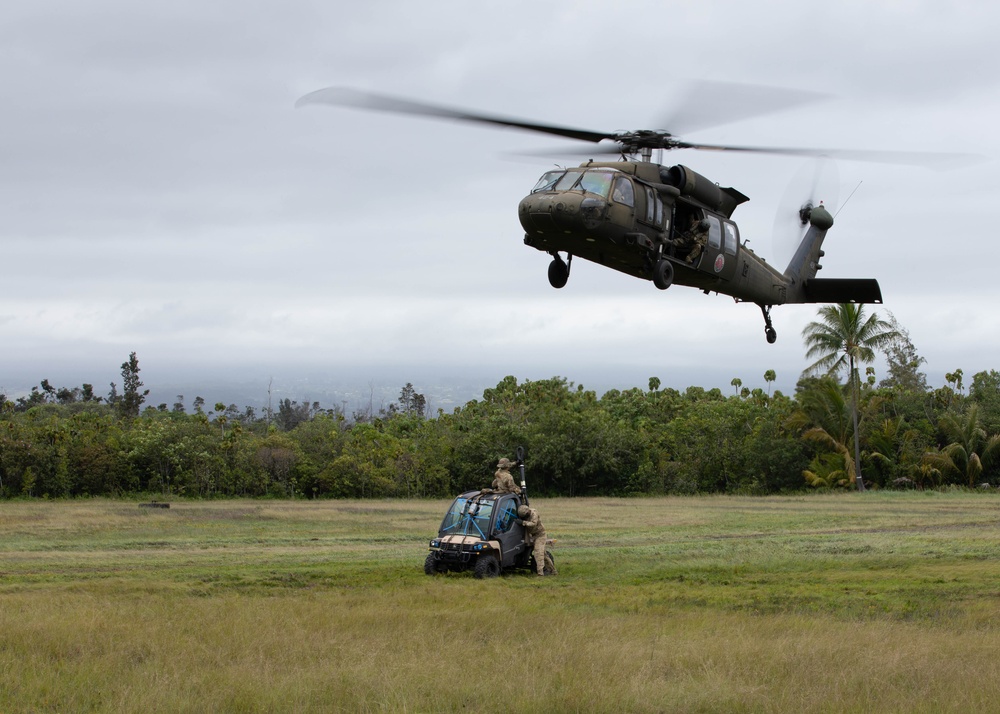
(664, 224)
(673, 226)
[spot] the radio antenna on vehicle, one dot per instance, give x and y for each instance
(520, 464)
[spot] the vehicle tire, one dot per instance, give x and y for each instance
(771, 335)
(663, 274)
(487, 566)
(431, 566)
(548, 569)
(558, 273)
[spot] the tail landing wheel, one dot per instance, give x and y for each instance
(559, 271)
(768, 327)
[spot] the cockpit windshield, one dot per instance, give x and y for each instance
(598, 182)
(469, 517)
(568, 180)
(547, 181)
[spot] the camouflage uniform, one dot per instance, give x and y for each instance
(534, 532)
(503, 482)
(700, 240)
(693, 239)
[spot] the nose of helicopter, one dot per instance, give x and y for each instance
(559, 212)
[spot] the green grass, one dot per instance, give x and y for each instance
(822, 603)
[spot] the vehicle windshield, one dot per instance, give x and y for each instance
(547, 181)
(469, 517)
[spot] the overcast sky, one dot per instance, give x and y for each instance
(162, 195)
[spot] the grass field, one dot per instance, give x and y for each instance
(877, 602)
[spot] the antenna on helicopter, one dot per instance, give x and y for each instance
(848, 199)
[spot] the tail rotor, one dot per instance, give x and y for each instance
(816, 182)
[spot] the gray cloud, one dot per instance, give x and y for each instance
(163, 195)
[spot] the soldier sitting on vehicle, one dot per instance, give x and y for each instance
(534, 533)
(503, 482)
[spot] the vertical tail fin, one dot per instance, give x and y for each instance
(805, 263)
(801, 271)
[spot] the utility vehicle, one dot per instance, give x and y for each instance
(481, 532)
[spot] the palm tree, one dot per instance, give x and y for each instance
(896, 451)
(824, 418)
(826, 471)
(843, 337)
(970, 446)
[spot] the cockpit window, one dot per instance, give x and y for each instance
(623, 192)
(598, 182)
(547, 181)
(567, 181)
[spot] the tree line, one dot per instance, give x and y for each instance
(68, 442)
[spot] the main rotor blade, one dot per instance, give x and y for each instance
(705, 104)
(346, 97)
(925, 159)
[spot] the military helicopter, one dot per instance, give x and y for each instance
(666, 224)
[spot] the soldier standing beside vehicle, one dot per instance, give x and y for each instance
(503, 482)
(534, 532)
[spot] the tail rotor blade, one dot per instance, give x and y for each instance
(816, 181)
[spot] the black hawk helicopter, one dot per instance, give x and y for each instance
(666, 224)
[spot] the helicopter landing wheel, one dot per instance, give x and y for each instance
(663, 274)
(558, 272)
(768, 327)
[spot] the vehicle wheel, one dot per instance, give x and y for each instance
(663, 274)
(431, 566)
(771, 335)
(548, 569)
(487, 567)
(558, 273)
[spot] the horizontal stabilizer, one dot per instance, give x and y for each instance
(834, 290)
